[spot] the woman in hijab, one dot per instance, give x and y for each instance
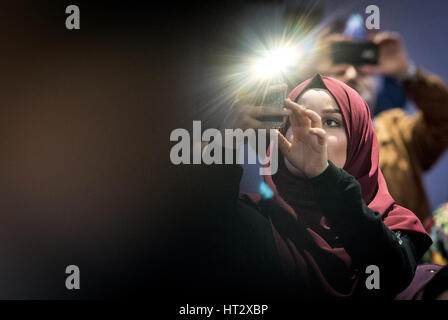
(332, 219)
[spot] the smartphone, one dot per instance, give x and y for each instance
(276, 100)
(355, 52)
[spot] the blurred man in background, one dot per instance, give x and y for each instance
(409, 145)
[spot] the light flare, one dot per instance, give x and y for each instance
(275, 62)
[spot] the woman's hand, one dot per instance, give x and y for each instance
(244, 114)
(307, 151)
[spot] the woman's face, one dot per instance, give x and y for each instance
(321, 102)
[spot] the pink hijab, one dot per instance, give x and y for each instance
(308, 247)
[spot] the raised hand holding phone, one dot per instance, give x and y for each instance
(307, 150)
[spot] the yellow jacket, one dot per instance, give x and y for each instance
(410, 145)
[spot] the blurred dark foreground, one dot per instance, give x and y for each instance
(85, 174)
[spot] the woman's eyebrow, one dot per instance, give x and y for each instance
(332, 110)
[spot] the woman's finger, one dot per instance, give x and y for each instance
(316, 120)
(294, 117)
(320, 133)
(283, 144)
(298, 116)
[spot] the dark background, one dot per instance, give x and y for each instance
(85, 119)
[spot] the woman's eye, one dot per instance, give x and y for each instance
(331, 123)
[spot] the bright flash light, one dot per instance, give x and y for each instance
(275, 62)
